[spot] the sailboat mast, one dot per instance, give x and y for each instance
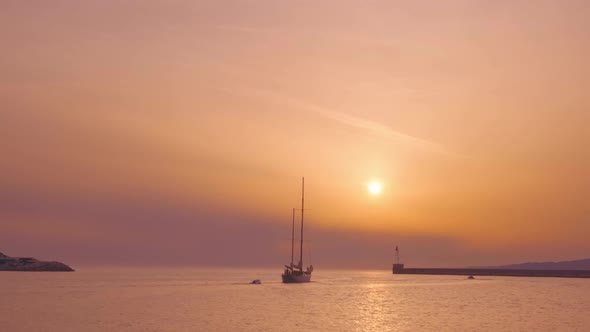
(302, 201)
(292, 237)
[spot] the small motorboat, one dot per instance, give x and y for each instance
(471, 277)
(256, 282)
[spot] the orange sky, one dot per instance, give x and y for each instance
(127, 126)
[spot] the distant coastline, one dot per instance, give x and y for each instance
(30, 264)
(580, 264)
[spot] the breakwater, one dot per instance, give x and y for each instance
(400, 269)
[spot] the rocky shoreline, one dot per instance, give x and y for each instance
(31, 264)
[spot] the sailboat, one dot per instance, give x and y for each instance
(294, 273)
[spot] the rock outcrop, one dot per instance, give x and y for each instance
(30, 264)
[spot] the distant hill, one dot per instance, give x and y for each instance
(581, 264)
(30, 264)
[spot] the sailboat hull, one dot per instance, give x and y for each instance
(292, 278)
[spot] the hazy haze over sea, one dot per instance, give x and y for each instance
(220, 299)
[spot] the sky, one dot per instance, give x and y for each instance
(177, 132)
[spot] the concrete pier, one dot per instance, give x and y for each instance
(400, 269)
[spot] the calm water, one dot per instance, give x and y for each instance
(109, 299)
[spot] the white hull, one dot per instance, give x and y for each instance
(292, 278)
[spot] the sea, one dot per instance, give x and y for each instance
(222, 299)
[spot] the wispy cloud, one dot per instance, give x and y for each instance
(367, 125)
(240, 28)
(374, 128)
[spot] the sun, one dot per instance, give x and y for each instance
(374, 188)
